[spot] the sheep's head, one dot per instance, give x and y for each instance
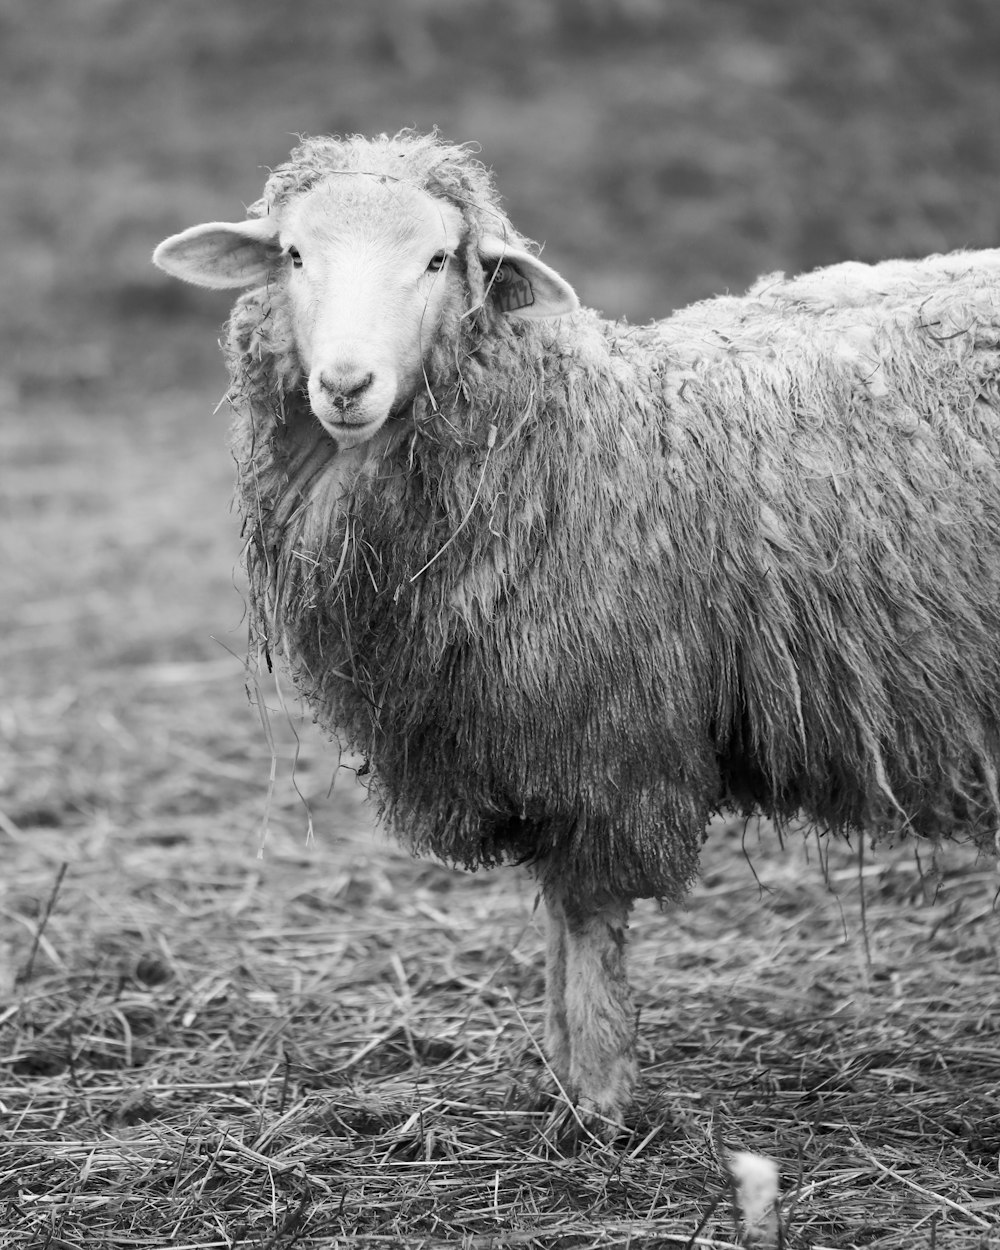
(369, 267)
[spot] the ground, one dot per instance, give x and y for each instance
(232, 1013)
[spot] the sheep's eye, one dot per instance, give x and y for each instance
(295, 257)
(437, 262)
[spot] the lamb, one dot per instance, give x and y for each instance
(573, 585)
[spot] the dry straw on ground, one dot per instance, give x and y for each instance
(335, 1044)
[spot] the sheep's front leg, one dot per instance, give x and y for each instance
(590, 1026)
(557, 1049)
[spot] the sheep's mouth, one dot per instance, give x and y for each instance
(353, 433)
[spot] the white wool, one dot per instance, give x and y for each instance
(756, 1179)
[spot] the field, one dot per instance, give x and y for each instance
(232, 1014)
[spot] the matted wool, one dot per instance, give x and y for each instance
(603, 580)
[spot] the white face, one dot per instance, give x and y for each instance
(370, 271)
(368, 268)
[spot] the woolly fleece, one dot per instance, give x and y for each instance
(599, 580)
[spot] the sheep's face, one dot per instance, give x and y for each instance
(370, 275)
(369, 270)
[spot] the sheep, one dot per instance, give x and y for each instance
(573, 585)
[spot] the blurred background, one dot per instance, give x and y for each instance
(663, 150)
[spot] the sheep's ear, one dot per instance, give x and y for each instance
(521, 285)
(221, 254)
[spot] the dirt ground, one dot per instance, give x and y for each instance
(232, 1014)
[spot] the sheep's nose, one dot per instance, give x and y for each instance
(345, 386)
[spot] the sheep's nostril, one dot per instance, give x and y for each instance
(362, 384)
(345, 388)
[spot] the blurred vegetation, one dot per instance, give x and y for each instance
(664, 149)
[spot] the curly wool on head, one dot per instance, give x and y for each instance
(445, 170)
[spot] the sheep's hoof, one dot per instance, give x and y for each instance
(571, 1128)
